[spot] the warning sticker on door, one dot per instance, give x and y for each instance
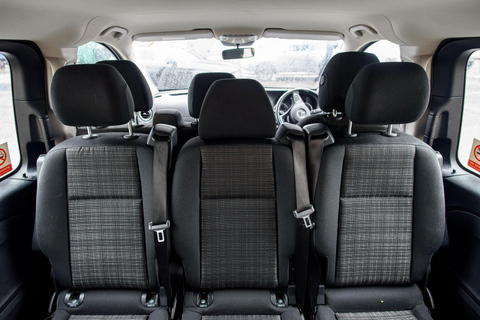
(474, 160)
(5, 163)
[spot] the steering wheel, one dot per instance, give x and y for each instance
(297, 110)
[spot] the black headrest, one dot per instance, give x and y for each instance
(337, 77)
(388, 93)
(168, 116)
(142, 96)
(199, 87)
(236, 109)
(91, 95)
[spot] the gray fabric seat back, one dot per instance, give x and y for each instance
(94, 195)
(232, 222)
(379, 198)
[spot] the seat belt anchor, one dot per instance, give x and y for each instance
(305, 215)
(159, 229)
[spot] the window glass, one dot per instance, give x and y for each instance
(470, 129)
(385, 50)
(277, 63)
(93, 52)
(9, 150)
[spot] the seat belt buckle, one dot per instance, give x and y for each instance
(305, 215)
(159, 229)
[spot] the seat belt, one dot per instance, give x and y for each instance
(292, 134)
(163, 138)
(317, 136)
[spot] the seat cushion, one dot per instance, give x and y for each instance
(160, 314)
(109, 305)
(238, 304)
(371, 303)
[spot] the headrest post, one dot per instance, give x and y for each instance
(349, 133)
(389, 132)
(335, 115)
(130, 134)
(90, 134)
(135, 119)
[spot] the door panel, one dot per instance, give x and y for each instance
(25, 284)
(455, 279)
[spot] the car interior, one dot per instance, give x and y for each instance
(253, 160)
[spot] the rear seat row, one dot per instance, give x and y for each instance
(232, 237)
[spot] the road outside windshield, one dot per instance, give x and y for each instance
(278, 63)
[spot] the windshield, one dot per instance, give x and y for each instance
(278, 63)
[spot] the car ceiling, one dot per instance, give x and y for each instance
(57, 24)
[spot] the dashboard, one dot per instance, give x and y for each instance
(280, 99)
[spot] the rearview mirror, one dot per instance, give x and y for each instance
(239, 53)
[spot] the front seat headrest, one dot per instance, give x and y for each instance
(91, 95)
(142, 95)
(236, 109)
(388, 93)
(199, 87)
(337, 77)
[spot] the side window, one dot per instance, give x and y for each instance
(385, 50)
(93, 52)
(469, 144)
(9, 149)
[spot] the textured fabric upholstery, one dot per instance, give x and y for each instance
(242, 317)
(94, 203)
(108, 317)
(380, 207)
(385, 315)
(186, 204)
(237, 302)
(142, 95)
(199, 87)
(337, 76)
(105, 218)
(427, 201)
(388, 93)
(375, 220)
(91, 95)
(236, 109)
(238, 213)
(232, 204)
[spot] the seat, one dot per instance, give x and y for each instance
(334, 83)
(94, 203)
(196, 94)
(141, 93)
(379, 201)
(198, 90)
(232, 204)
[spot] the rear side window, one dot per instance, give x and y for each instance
(9, 149)
(385, 50)
(468, 153)
(93, 52)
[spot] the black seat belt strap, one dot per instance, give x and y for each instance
(162, 138)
